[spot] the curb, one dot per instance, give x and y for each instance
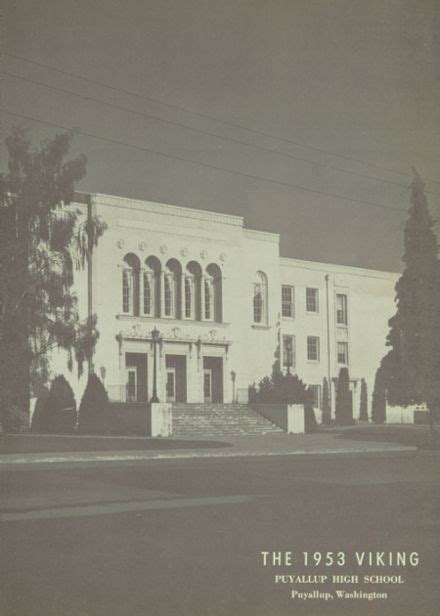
(142, 456)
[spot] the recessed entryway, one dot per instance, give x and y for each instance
(136, 377)
(175, 384)
(213, 379)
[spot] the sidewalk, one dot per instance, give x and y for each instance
(266, 445)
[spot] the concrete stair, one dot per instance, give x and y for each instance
(219, 421)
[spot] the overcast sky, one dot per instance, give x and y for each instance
(332, 102)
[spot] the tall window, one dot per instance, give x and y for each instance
(208, 299)
(343, 353)
(341, 309)
(287, 302)
(260, 298)
(127, 284)
(148, 294)
(288, 351)
(214, 276)
(130, 284)
(312, 304)
(151, 287)
(316, 395)
(169, 295)
(313, 348)
(189, 297)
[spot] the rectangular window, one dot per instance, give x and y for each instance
(312, 300)
(341, 309)
(287, 302)
(316, 393)
(189, 294)
(343, 353)
(169, 296)
(171, 385)
(126, 290)
(258, 303)
(131, 384)
(288, 351)
(148, 295)
(208, 300)
(207, 385)
(313, 348)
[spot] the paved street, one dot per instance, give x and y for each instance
(186, 536)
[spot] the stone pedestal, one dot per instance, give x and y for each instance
(161, 419)
(295, 419)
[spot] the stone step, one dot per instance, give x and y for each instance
(219, 420)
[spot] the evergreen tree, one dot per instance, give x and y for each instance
(93, 416)
(378, 402)
(287, 388)
(411, 369)
(344, 405)
(310, 423)
(363, 410)
(40, 241)
(59, 416)
(326, 408)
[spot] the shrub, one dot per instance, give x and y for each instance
(60, 414)
(288, 388)
(93, 416)
(40, 415)
(344, 404)
(379, 401)
(326, 408)
(15, 420)
(310, 423)
(363, 409)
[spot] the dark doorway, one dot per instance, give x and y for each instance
(136, 377)
(213, 379)
(175, 383)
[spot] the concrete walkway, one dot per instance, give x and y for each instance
(267, 445)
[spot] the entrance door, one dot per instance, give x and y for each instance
(171, 385)
(213, 379)
(136, 377)
(207, 385)
(131, 384)
(175, 383)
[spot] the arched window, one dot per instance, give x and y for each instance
(215, 280)
(193, 291)
(130, 285)
(189, 296)
(127, 285)
(151, 280)
(149, 284)
(208, 308)
(172, 289)
(260, 298)
(169, 295)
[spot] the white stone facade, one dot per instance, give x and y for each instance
(213, 290)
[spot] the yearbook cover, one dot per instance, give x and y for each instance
(219, 308)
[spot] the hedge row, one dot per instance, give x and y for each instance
(56, 413)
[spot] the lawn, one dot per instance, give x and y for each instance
(416, 436)
(30, 443)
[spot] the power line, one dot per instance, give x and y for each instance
(209, 117)
(206, 165)
(201, 131)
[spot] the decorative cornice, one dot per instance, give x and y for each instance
(174, 334)
(262, 236)
(334, 268)
(151, 322)
(164, 208)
